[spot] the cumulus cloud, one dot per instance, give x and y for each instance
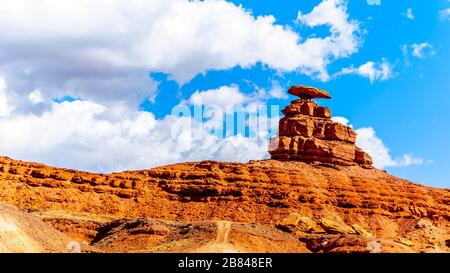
(371, 70)
(83, 135)
(368, 141)
(103, 50)
(90, 136)
(342, 42)
(409, 14)
(422, 50)
(222, 96)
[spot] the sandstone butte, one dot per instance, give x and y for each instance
(318, 193)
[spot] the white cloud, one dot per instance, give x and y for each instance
(342, 42)
(102, 50)
(371, 70)
(222, 96)
(277, 92)
(409, 14)
(445, 14)
(35, 97)
(90, 136)
(422, 50)
(341, 120)
(374, 2)
(84, 135)
(231, 96)
(408, 160)
(368, 141)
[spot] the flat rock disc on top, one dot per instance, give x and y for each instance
(307, 92)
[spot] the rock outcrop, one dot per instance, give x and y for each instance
(307, 133)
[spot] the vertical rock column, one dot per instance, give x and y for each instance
(307, 133)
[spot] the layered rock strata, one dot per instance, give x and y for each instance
(307, 133)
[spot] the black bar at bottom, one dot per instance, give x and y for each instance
(223, 262)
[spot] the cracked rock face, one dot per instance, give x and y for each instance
(307, 133)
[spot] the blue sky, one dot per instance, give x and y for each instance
(388, 77)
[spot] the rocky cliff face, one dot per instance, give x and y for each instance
(307, 133)
(319, 193)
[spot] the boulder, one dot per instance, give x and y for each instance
(361, 231)
(335, 227)
(308, 92)
(306, 224)
(289, 223)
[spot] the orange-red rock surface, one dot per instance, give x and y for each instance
(258, 192)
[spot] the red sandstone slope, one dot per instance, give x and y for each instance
(21, 232)
(258, 192)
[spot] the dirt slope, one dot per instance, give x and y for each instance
(22, 232)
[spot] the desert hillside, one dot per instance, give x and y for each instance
(24, 233)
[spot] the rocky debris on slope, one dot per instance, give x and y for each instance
(307, 133)
(21, 232)
(319, 243)
(297, 224)
(337, 236)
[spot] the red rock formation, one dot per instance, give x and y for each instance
(307, 133)
(258, 192)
